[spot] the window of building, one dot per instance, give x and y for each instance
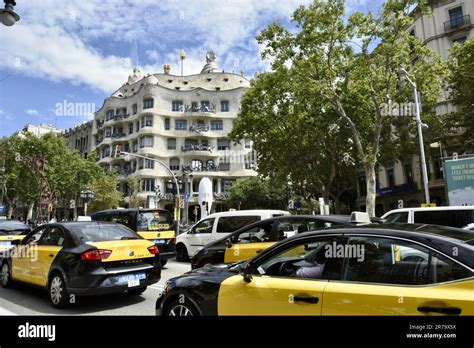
(109, 115)
(456, 18)
(130, 128)
(148, 185)
(146, 141)
(408, 172)
(226, 185)
(135, 146)
(176, 105)
(149, 164)
(121, 111)
(217, 125)
(147, 121)
(137, 126)
(390, 177)
(180, 124)
(210, 165)
(167, 124)
(196, 165)
(148, 103)
(108, 132)
(174, 163)
(194, 106)
(460, 40)
(134, 108)
(224, 106)
(247, 143)
(171, 144)
(205, 106)
(223, 144)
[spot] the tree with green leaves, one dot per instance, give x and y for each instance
(461, 79)
(255, 193)
(348, 66)
(66, 172)
(106, 194)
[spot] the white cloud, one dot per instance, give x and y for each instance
(32, 112)
(74, 42)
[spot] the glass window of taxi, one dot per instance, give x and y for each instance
(308, 258)
(204, 226)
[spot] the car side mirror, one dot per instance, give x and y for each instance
(245, 273)
(228, 243)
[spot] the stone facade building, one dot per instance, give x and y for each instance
(182, 121)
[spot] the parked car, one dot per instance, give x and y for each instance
(460, 217)
(254, 238)
(156, 225)
(82, 258)
(375, 269)
(216, 226)
(11, 233)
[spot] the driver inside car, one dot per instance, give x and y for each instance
(314, 271)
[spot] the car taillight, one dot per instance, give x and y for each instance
(95, 255)
(153, 250)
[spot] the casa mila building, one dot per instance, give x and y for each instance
(182, 121)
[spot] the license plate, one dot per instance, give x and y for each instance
(131, 279)
(159, 241)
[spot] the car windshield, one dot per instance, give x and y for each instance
(102, 232)
(13, 228)
(156, 220)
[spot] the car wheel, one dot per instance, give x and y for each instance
(57, 291)
(136, 292)
(181, 253)
(181, 308)
(6, 275)
(163, 262)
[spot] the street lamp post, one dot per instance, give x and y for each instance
(8, 17)
(403, 73)
(87, 195)
(118, 152)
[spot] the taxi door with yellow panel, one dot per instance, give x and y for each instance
(290, 280)
(24, 254)
(48, 247)
(385, 276)
(250, 242)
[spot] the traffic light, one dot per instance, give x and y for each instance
(117, 151)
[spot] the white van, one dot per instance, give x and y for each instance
(217, 225)
(456, 216)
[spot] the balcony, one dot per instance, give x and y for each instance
(116, 135)
(98, 140)
(200, 147)
(457, 23)
(120, 117)
(203, 109)
(203, 168)
(100, 124)
(198, 128)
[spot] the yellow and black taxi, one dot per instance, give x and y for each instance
(11, 233)
(156, 225)
(250, 240)
(82, 258)
(363, 270)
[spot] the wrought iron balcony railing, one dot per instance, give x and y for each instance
(457, 23)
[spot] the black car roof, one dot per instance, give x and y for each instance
(441, 238)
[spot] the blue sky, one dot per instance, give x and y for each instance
(83, 50)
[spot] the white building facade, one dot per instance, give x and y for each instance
(182, 121)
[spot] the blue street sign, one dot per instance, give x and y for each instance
(186, 197)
